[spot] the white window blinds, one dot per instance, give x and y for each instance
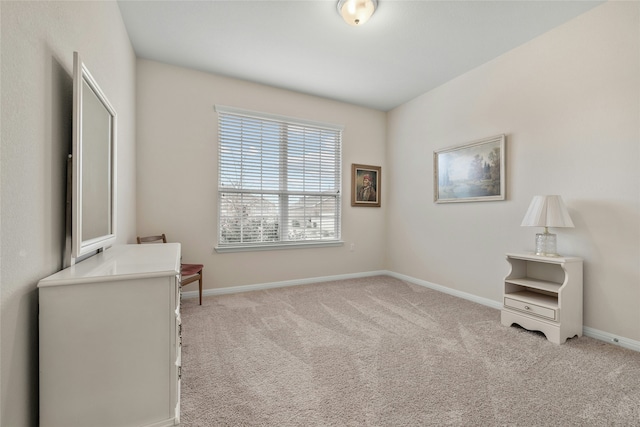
(279, 180)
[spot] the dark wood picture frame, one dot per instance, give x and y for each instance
(365, 193)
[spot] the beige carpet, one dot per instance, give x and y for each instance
(382, 352)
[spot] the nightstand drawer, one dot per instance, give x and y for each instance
(530, 308)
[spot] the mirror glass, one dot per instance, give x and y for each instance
(93, 166)
(96, 167)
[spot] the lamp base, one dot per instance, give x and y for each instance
(546, 244)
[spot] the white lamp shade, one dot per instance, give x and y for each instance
(547, 211)
(356, 12)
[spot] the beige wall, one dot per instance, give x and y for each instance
(38, 41)
(568, 102)
(177, 174)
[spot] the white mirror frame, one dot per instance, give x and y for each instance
(82, 245)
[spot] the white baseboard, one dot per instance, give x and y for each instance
(484, 301)
(587, 331)
(611, 339)
(272, 285)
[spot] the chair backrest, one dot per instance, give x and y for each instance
(153, 239)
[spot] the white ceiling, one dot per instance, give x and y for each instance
(406, 49)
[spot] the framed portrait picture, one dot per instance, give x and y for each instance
(471, 172)
(365, 185)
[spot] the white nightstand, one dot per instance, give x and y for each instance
(543, 293)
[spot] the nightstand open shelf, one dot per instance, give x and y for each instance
(536, 284)
(544, 294)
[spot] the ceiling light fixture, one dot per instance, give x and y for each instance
(356, 12)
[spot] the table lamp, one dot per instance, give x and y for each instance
(547, 211)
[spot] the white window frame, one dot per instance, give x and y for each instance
(255, 190)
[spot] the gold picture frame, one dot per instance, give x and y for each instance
(365, 185)
(472, 172)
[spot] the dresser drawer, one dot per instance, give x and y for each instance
(534, 309)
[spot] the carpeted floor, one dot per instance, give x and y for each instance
(378, 351)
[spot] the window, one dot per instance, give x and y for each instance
(278, 181)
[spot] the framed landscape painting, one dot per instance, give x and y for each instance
(365, 185)
(471, 172)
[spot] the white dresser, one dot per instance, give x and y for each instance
(110, 340)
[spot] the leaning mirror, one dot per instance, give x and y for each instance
(93, 165)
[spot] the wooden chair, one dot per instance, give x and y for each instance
(189, 273)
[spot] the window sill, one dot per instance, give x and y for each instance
(271, 247)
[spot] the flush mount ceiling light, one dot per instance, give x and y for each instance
(356, 12)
